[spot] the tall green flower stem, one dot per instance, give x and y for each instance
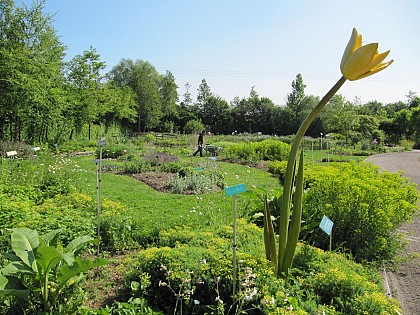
(289, 224)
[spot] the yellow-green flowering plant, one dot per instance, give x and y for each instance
(357, 62)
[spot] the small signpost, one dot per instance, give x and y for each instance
(98, 163)
(233, 191)
(326, 225)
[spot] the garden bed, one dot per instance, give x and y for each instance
(156, 180)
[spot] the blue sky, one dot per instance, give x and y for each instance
(236, 45)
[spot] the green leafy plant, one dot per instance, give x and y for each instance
(197, 183)
(367, 207)
(266, 150)
(40, 271)
(333, 280)
(73, 214)
(137, 165)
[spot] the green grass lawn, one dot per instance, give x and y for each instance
(154, 211)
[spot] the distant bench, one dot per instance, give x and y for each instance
(212, 149)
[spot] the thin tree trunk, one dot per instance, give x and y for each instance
(2, 121)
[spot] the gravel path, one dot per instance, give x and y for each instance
(404, 283)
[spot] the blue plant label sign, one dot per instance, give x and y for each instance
(326, 225)
(234, 190)
(212, 158)
(198, 169)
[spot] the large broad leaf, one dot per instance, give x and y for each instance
(13, 287)
(66, 272)
(24, 243)
(47, 257)
(17, 268)
(51, 238)
(75, 245)
(10, 256)
(69, 258)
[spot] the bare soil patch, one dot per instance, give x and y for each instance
(159, 181)
(156, 180)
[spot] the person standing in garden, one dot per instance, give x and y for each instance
(200, 144)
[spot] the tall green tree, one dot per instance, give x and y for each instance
(145, 81)
(169, 94)
(340, 116)
(295, 103)
(316, 127)
(84, 81)
(187, 111)
(120, 107)
(215, 114)
(30, 71)
(254, 114)
(415, 124)
(368, 125)
(203, 93)
(413, 100)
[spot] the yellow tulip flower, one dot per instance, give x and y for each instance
(358, 62)
(361, 61)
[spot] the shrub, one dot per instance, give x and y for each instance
(267, 150)
(59, 177)
(72, 146)
(195, 275)
(193, 126)
(116, 227)
(163, 162)
(150, 138)
(73, 214)
(158, 158)
(112, 151)
(278, 168)
(333, 280)
(46, 176)
(197, 183)
(192, 271)
(137, 165)
(408, 145)
(366, 206)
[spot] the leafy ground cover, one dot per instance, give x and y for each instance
(172, 253)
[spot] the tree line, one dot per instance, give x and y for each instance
(46, 99)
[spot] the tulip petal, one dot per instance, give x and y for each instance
(358, 62)
(381, 67)
(354, 43)
(377, 59)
